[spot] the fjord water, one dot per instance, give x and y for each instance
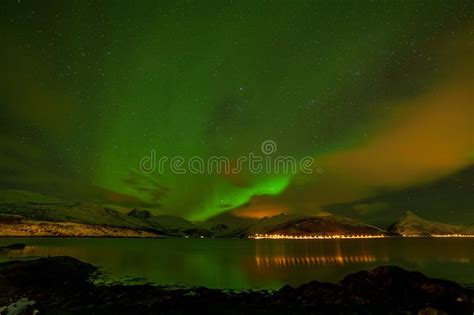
(254, 264)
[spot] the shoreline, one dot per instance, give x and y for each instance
(309, 238)
(60, 285)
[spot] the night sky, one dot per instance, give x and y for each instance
(380, 93)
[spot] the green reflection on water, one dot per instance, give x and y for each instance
(242, 263)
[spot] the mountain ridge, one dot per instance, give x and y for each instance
(24, 208)
(411, 224)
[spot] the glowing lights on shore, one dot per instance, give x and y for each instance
(441, 235)
(342, 236)
(313, 237)
(452, 235)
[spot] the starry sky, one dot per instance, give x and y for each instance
(378, 92)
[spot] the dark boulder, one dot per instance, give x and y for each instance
(54, 272)
(394, 287)
(59, 285)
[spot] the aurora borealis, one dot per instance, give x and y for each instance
(380, 93)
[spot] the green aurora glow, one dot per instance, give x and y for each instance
(88, 89)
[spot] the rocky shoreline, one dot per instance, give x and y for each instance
(61, 285)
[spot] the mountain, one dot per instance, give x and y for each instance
(267, 225)
(412, 225)
(319, 225)
(36, 213)
(140, 214)
(27, 213)
(166, 222)
(447, 199)
(171, 222)
(18, 226)
(45, 208)
(227, 225)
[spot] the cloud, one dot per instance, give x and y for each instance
(423, 138)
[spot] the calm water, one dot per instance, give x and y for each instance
(255, 264)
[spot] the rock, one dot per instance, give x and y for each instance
(317, 292)
(54, 272)
(431, 311)
(395, 286)
(59, 285)
(21, 307)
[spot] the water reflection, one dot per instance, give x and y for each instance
(283, 261)
(256, 263)
(335, 252)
